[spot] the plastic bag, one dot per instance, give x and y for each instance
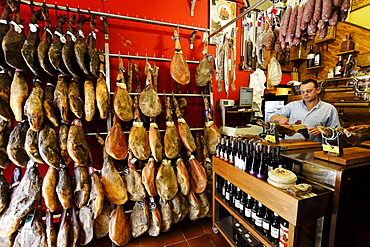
(274, 74)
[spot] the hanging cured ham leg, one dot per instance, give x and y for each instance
(24, 199)
(51, 234)
(204, 71)
(138, 140)
(198, 175)
(184, 130)
(74, 230)
(114, 187)
(29, 48)
(75, 101)
(139, 218)
(44, 46)
(82, 190)
(13, 42)
(18, 94)
(149, 102)
(76, 143)
(55, 51)
(179, 68)
(135, 188)
(62, 143)
(119, 227)
(211, 132)
(49, 106)
(31, 145)
(122, 102)
(92, 51)
(182, 177)
(64, 187)
(15, 148)
(166, 181)
(63, 234)
(155, 141)
(61, 97)
(48, 146)
(155, 219)
(102, 93)
(148, 177)
(172, 140)
(80, 46)
(33, 107)
(49, 193)
(68, 53)
(116, 143)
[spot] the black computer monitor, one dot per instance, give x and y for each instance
(245, 97)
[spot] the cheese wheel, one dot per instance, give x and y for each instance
(280, 185)
(282, 176)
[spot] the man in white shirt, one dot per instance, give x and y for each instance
(310, 110)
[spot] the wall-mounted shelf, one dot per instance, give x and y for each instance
(316, 67)
(346, 52)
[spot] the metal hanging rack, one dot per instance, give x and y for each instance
(149, 58)
(114, 16)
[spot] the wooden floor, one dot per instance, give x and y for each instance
(183, 234)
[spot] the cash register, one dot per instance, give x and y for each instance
(245, 106)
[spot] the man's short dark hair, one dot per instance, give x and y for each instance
(310, 80)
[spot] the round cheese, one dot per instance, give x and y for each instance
(282, 176)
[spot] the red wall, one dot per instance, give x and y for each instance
(130, 38)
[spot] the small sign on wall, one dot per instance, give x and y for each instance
(221, 12)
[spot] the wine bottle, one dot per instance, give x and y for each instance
(266, 223)
(248, 155)
(218, 147)
(262, 168)
(310, 57)
(243, 200)
(254, 163)
(275, 228)
(254, 210)
(284, 232)
(338, 68)
(258, 221)
(222, 148)
(272, 163)
(279, 159)
(232, 195)
(224, 189)
(227, 192)
(231, 153)
(227, 150)
(248, 209)
(317, 60)
(237, 199)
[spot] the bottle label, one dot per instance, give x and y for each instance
(258, 221)
(237, 203)
(231, 158)
(253, 215)
(227, 196)
(274, 232)
(266, 225)
(223, 191)
(310, 56)
(248, 212)
(317, 60)
(217, 153)
(283, 236)
(337, 71)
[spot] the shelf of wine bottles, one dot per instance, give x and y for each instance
(264, 221)
(249, 156)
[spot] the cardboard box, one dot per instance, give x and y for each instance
(363, 60)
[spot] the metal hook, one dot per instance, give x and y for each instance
(56, 9)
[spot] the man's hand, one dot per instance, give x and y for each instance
(313, 130)
(280, 119)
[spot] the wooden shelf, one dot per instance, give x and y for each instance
(298, 59)
(248, 226)
(296, 211)
(346, 52)
(316, 67)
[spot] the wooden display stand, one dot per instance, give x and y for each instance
(296, 211)
(352, 155)
(293, 144)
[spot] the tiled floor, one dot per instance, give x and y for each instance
(183, 234)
